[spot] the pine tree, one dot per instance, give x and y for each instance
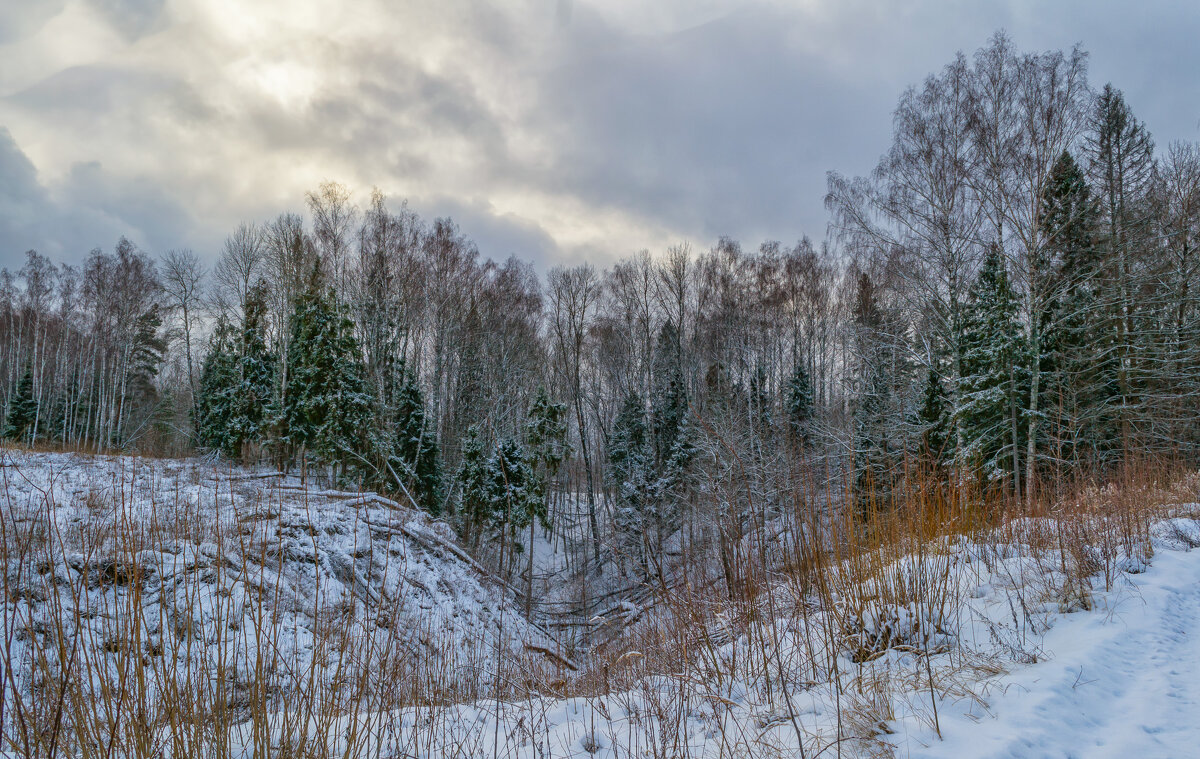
(22, 410)
(932, 422)
(799, 406)
(631, 460)
(326, 407)
(995, 374)
(512, 496)
(546, 437)
(216, 402)
(876, 445)
(1122, 167)
(254, 392)
(474, 506)
(1078, 359)
(673, 436)
(875, 448)
(409, 450)
(669, 402)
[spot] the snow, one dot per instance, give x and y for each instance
(1024, 662)
(1121, 681)
(227, 558)
(1053, 680)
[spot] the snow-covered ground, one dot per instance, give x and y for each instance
(981, 647)
(216, 562)
(1120, 681)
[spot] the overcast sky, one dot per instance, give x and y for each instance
(557, 130)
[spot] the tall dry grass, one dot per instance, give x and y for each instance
(844, 601)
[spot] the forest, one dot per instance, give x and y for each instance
(1008, 304)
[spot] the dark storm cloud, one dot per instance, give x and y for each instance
(549, 129)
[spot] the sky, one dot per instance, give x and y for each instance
(555, 130)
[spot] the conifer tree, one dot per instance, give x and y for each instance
(995, 368)
(876, 447)
(1122, 167)
(254, 392)
(799, 406)
(932, 421)
(216, 402)
(546, 438)
(669, 402)
(22, 410)
(631, 460)
(474, 506)
(326, 407)
(512, 496)
(1078, 360)
(409, 450)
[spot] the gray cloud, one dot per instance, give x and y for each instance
(550, 130)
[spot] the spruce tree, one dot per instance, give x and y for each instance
(22, 410)
(409, 449)
(631, 461)
(1078, 360)
(216, 404)
(1123, 170)
(474, 505)
(933, 425)
(326, 407)
(256, 371)
(995, 375)
(799, 406)
(673, 445)
(669, 402)
(876, 444)
(512, 496)
(546, 437)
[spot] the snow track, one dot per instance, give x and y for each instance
(1121, 681)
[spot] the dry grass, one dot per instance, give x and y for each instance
(858, 609)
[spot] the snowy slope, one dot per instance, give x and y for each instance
(1052, 680)
(1121, 681)
(212, 561)
(215, 560)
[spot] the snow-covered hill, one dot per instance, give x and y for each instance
(213, 611)
(205, 567)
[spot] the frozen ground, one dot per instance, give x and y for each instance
(214, 560)
(183, 570)
(1121, 681)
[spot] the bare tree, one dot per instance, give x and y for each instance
(334, 219)
(182, 278)
(242, 262)
(572, 295)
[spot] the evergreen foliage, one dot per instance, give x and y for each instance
(1078, 357)
(669, 402)
(546, 438)
(22, 410)
(514, 499)
(933, 420)
(877, 450)
(216, 401)
(799, 405)
(410, 451)
(995, 373)
(256, 368)
(630, 473)
(326, 407)
(474, 506)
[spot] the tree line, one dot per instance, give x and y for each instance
(1007, 301)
